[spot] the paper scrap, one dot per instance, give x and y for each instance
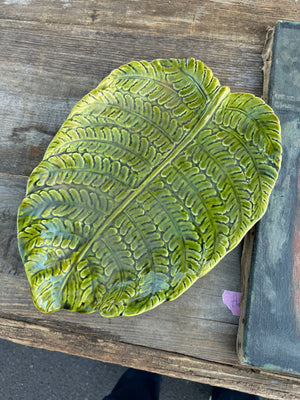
(232, 301)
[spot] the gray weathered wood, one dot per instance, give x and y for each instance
(89, 344)
(239, 21)
(51, 54)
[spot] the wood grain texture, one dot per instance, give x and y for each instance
(51, 54)
(222, 20)
(88, 344)
(10, 195)
(41, 86)
(205, 335)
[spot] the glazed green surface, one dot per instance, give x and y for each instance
(155, 175)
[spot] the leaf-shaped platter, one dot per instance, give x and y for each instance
(155, 176)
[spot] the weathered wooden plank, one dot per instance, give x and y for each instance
(204, 335)
(12, 189)
(161, 329)
(51, 54)
(89, 344)
(240, 21)
(46, 69)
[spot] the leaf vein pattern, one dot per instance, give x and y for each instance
(156, 174)
(143, 117)
(196, 191)
(185, 142)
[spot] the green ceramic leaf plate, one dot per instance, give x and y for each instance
(155, 176)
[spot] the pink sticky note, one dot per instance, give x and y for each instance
(232, 301)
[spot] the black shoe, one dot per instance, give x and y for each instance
(227, 394)
(135, 384)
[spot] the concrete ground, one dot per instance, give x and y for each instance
(32, 374)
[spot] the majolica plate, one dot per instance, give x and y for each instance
(155, 175)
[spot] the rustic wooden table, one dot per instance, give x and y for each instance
(51, 54)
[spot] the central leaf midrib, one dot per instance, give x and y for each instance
(214, 103)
